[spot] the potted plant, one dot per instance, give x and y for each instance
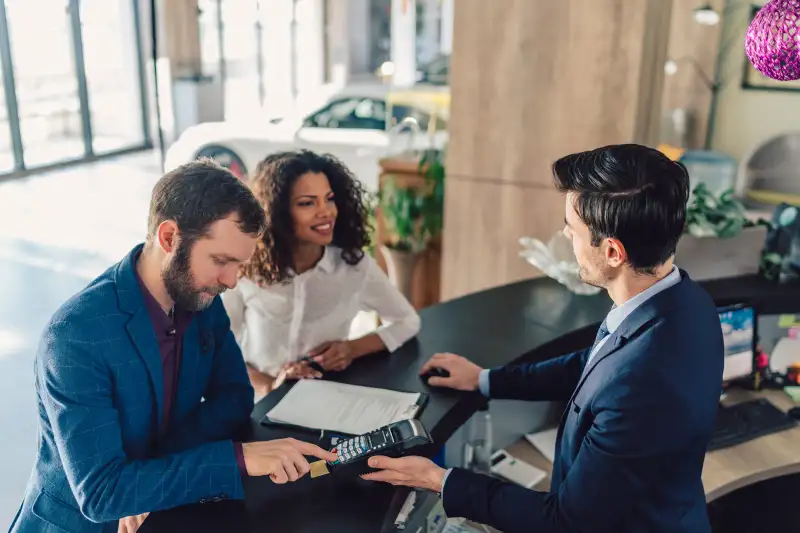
(720, 240)
(413, 217)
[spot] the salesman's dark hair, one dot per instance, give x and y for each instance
(631, 193)
(199, 193)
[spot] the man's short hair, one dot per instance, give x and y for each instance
(199, 193)
(631, 193)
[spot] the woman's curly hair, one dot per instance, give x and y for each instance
(272, 185)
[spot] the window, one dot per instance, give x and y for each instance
(80, 98)
(46, 83)
(350, 113)
(111, 60)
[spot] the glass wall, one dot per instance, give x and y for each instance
(74, 68)
(6, 149)
(43, 60)
(112, 74)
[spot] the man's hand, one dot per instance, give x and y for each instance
(131, 524)
(295, 371)
(464, 373)
(282, 459)
(416, 472)
(336, 355)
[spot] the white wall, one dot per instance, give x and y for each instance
(746, 117)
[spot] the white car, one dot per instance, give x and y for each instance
(359, 125)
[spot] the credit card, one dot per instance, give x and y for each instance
(319, 468)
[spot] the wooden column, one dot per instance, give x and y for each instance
(531, 81)
(181, 36)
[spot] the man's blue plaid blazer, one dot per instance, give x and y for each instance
(99, 387)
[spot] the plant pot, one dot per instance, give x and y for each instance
(712, 257)
(400, 265)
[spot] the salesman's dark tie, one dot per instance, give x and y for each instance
(602, 333)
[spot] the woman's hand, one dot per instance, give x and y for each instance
(131, 524)
(335, 355)
(262, 383)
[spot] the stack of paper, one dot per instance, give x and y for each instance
(545, 442)
(351, 409)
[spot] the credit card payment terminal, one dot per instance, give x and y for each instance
(393, 440)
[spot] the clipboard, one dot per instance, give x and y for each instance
(378, 418)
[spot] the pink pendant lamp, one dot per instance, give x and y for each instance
(773, 40)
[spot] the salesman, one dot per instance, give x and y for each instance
(140, 384)
(642, 401)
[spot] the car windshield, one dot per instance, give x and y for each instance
(401, 112)
(438, 65)
(350, 113)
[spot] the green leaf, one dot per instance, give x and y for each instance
(414, 217)
(708, 215)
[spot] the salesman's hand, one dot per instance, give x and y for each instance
(464, 373)
(336, 355)
(281, 459)
(131, 524)
(415, 472)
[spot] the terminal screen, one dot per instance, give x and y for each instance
(738, 334)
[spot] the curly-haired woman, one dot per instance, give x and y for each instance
(309, 277)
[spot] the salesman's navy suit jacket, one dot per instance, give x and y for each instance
(99, 387)
(632, 441)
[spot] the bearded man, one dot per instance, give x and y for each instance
(140, 384)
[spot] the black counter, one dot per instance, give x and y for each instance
(526, 321)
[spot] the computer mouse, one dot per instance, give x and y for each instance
(435, 372)
(794, 412)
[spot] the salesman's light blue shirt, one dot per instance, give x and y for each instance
(613, 320)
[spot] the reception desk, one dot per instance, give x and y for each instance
(728, 469)
(521, 322)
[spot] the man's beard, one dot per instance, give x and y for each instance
(599, 280)
(180, 285)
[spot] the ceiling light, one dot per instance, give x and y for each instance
(706, 15)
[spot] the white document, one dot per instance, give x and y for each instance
(545, 442)
(352, 409)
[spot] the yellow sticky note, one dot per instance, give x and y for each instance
(793, 392)
(786, 321)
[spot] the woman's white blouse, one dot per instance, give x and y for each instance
(281, 323)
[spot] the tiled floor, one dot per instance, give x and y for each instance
(58, 231)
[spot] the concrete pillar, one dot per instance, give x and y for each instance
(337, 41)
(404, 37)
(277, 37)
(358, 18)
(430, 30)
(446, 36)
(310, 52)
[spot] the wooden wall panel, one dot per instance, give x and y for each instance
(484, 222)
(533, 80)
(542, 78)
